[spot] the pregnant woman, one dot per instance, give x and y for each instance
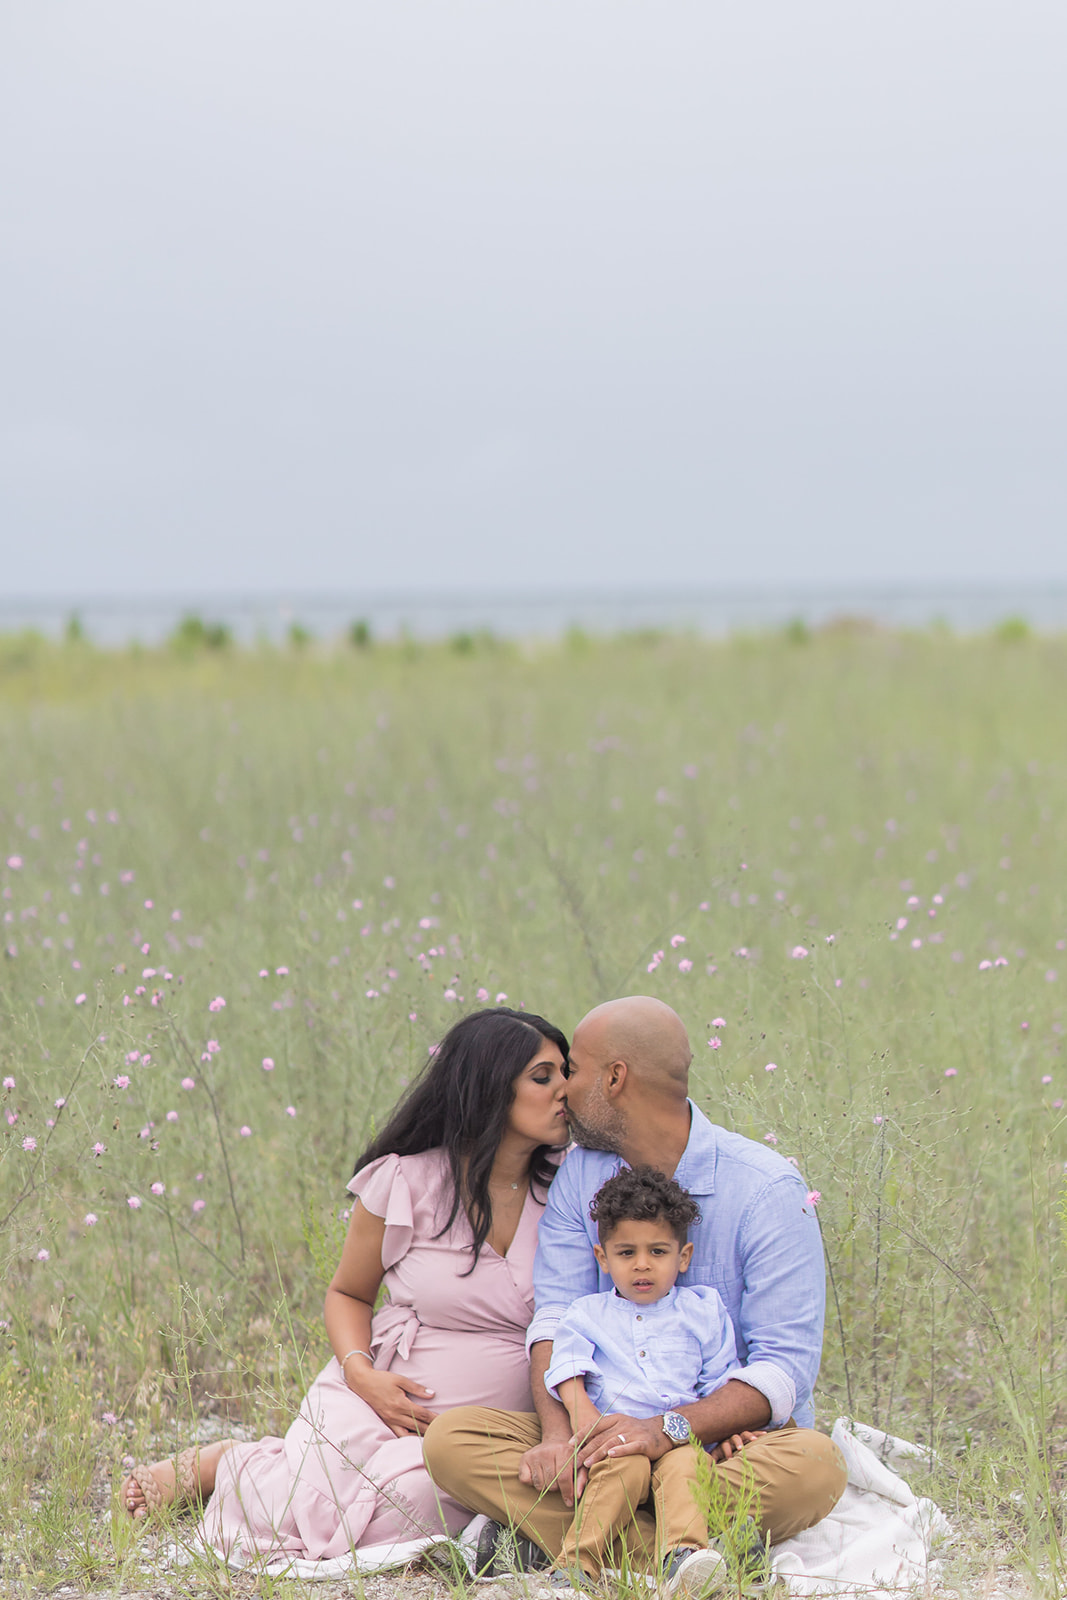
(448, 1200)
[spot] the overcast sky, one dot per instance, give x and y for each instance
(552, 293)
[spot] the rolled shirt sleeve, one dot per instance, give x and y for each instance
(780, 1312)
(573, 1356)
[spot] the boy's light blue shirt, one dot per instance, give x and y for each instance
(645, 1359)
(758, 1244)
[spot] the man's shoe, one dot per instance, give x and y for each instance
(502, 1551)
(567, 1585)
(691, 1574)
(747, 1551)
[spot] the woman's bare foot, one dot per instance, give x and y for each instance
(185, 1479)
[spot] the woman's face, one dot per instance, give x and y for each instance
(538, 1112)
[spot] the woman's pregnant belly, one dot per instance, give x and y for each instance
(468, 1369)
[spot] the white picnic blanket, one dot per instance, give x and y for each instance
(879, 1539)
(877, 1542)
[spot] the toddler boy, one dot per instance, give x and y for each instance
(643, 1348)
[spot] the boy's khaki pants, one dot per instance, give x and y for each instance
(616, 1489)
(790, 1478)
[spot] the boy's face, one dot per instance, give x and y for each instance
(643, 1259)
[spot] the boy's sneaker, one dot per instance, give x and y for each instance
(502, 1552)
(690, 1574)
(739, 1561)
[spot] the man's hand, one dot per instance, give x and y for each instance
(737, 1441)
(555, 1466)
(619, 1435)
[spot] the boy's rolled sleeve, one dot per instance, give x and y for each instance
(573, 1356)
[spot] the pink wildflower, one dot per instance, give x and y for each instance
(134, 1202)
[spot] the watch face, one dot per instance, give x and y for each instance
(675, 1427)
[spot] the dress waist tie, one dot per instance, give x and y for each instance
(392, 1334)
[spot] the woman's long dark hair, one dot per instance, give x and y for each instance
(460, 1102)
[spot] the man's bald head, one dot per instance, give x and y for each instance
(644, 1033)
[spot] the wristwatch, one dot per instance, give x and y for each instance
(677, 1428)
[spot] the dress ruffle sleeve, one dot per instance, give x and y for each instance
(384, 1190)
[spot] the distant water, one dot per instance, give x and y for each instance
(121, 619)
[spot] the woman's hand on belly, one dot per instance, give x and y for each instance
(395, 1399)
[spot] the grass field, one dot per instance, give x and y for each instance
(243, 892)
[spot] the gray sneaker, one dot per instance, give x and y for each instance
(692, 1574)
(738, 1561)
(502, 1551)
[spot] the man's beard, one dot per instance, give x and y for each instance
(606, 1133)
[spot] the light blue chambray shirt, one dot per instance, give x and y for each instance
(758, 1244)
(643, 1360)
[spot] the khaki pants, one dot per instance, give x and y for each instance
(792, 1478)
(615, 1491)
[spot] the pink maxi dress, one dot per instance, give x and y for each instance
(340, 1478)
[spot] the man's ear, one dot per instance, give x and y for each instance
(601, 1258)
(615, 1078)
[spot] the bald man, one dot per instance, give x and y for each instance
(758, 1244)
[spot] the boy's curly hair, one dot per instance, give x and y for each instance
(642, 1194)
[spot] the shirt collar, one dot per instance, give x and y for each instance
(663, 1304)
(696, 1170)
